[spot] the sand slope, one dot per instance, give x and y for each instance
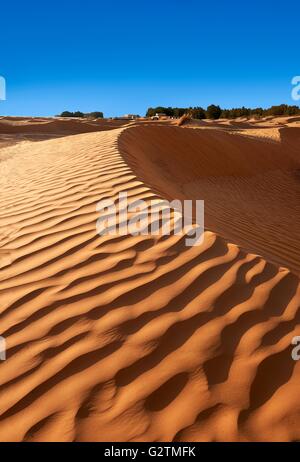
(133, 338)
(249, 181)
(15, 130)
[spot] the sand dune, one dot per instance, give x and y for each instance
(250, 185)
(20, 129)
(140, 338)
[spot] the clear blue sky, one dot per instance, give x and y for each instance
(124, 56)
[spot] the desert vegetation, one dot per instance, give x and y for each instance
(216, 112)
(87, 115)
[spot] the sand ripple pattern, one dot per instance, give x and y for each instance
(132, 338)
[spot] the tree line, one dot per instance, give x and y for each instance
(216, 112)
(86, 115)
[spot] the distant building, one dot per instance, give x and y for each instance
(159, 115)
(130, 116)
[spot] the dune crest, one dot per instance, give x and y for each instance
(140, 338)
(250, 185)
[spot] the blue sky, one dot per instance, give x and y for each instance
(124, 56)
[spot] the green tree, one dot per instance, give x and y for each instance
(66, 114)
(150, 112)
(95, 115)
(213, 112)
(78, 114)
(197, 113)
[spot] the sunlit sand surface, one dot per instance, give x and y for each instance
(141, 338)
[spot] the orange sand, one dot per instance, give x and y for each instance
(142, 338)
